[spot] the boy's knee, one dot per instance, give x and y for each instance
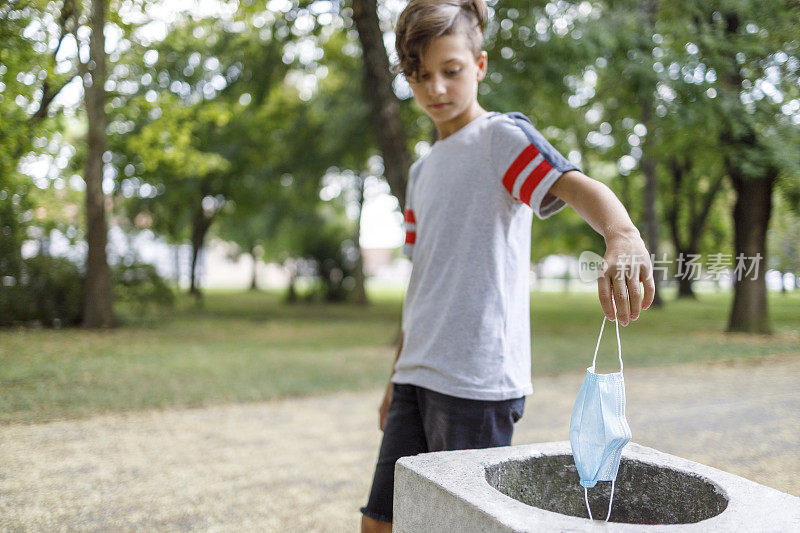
(370, 525)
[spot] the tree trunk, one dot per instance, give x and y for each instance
(199, 230)
(194, 290)
(697, 215)
(97, 311)
(291, 290)
(648, 10)
(671, 213)
(361, 292)
(685, 289)
(650, 211)
(750, 219)
(752, 209)
(385, 107)
(254, 280)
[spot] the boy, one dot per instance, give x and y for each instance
(463, 366)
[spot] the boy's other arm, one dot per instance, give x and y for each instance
(387, 395)
(627, 262)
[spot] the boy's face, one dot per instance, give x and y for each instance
(446, 85)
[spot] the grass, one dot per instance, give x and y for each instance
(245, 347)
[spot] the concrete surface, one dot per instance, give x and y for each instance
(645, 493)
(449, 491)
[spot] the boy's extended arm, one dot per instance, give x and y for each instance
(627, 262)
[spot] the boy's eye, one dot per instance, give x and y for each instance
(426, 75)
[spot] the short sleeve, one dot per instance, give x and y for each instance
(410, 220)
(526, 163)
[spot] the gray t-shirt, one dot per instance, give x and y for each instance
(469, 205)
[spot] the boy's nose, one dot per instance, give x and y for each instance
(436, 87)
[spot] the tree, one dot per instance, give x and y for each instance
(97, 289)
(37, 20)
(647, 88)
(28, 85)
(188, 142)
(224, 115)
(185, 177)
(728, 69)
(751, 49)
(694, 175)
(385, 108)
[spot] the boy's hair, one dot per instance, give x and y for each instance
(424, 20)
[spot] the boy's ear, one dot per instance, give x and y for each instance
(483, 63)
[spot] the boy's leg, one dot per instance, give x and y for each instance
(403, 435)
(370, 525)
(453, 423)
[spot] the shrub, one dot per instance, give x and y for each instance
(47, 291)
(139, 286)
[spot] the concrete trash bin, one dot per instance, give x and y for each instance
(535, 488)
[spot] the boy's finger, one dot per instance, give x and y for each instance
(620, 291)
(649, 289)
(604, 292)
(634, 297)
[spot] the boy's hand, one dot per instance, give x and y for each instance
(627, 264)
(384, 408)
(626, 267)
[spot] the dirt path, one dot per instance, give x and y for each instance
(306, 464)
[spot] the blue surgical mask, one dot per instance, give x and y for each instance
(598, 430)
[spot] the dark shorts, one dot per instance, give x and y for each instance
(421, 420)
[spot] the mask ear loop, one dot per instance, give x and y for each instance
(594, 361)
(619, 344)
(586, 498)
(610, 501)
(613, 481)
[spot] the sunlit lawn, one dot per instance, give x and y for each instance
(251, 346)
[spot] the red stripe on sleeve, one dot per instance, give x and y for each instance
(411, 237)
(522, 160)
(410, 216)
(533, 180)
